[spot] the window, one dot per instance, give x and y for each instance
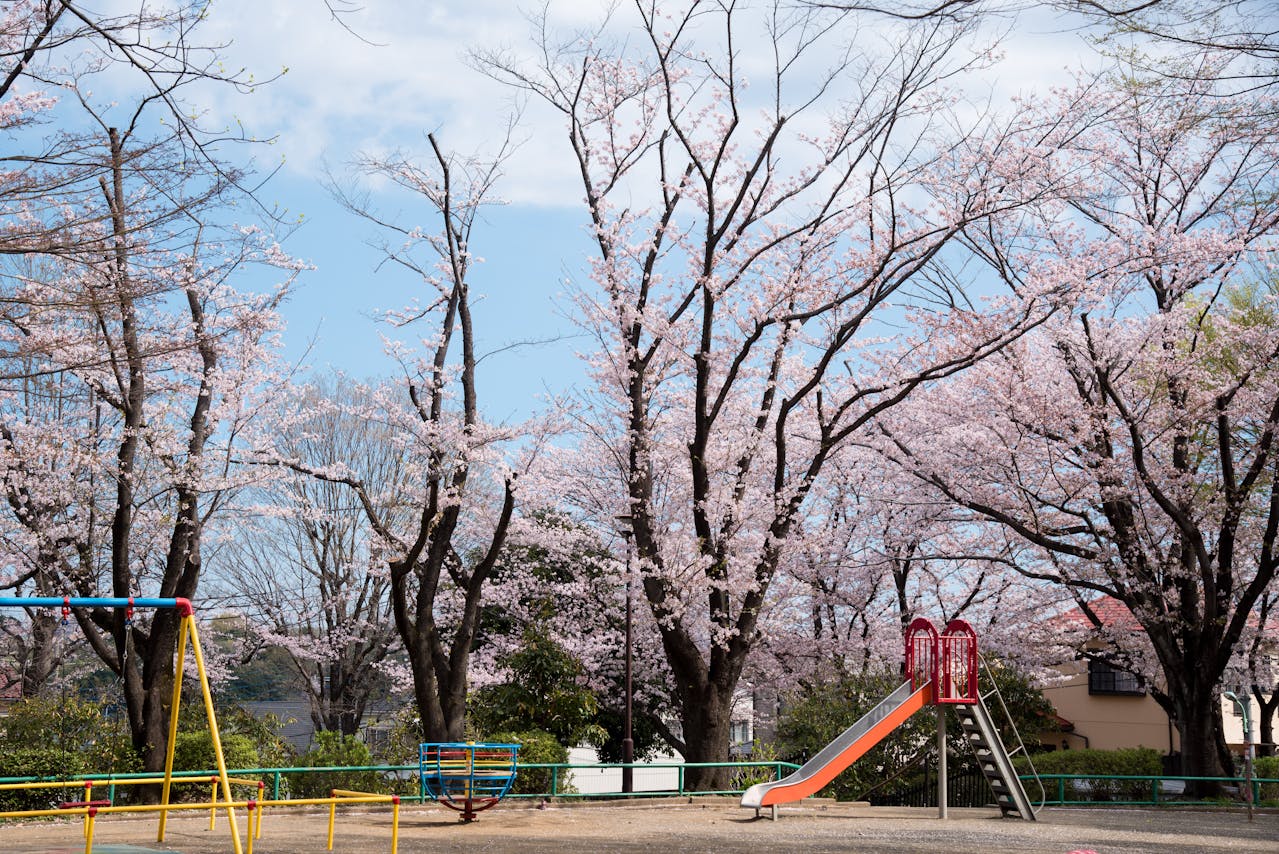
(1106, 679)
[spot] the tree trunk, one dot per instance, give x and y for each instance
(1199, 726)
(42, 654)
(1265, 717)
(707, 719)
(150, 729)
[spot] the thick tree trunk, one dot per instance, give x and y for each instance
(443, 717)
(1266, 725)
(707, 719)
(42, 654)
(153, 693)
(1265, 717)
(1199, 726)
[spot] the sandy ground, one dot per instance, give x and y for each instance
(713, 825)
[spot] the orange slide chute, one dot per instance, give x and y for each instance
(843, 751)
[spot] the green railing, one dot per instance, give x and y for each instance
(777, 770)
(275, 777)
(1143, 789)
(1062, 789)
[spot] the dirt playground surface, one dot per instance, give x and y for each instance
(711, 825)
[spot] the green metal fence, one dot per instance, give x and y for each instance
(1146, 790)
(1062, 789)
(276, 779)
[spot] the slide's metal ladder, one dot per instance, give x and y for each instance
(995, 760)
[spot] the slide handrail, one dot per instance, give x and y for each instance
(1021, 747)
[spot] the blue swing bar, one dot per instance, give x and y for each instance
(183, 605)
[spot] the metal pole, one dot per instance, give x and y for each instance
(628, 743)
(1244, 703)
(943, 796)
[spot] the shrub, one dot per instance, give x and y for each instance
(60, 738)
(193, 751)
(1267, 767)
(332, 749)
(746, 776)
(262, 731)
(1131, 761)
(41, 761)
(536, 747)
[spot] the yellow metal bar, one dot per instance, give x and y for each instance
(213, 730)
(395, 826)
(61, 784)
(179, 662)
(88, 837)
(250, 846)
(213, 799)
(333, 814)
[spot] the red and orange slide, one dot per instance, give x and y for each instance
(850, 746)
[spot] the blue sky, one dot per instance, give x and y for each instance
(404, 76)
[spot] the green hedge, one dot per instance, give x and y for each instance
(38, 761)
(335, 749)
(1132, 761)
(536, 747)
(1267, 767)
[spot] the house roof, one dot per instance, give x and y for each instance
(1110, 611)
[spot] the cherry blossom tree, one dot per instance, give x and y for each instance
(54, 55)
(304, 566)
(759, 259)
(156, 360)
(454, 501)
(114, 493)
(1131, 441)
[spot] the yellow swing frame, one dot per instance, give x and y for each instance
(186, 629)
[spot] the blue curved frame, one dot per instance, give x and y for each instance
(468, 776)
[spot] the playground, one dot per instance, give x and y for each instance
(465, 779)
(703, 825)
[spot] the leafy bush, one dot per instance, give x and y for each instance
(40, 761)
(60, 739)
(745, 777)
(262, 731)
(332, 749)
(544, 694)
(1267, 767)
(536, 747)
(1131, 761)
(194, 752)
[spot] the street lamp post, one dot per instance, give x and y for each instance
(628, 743)
(1245, 707)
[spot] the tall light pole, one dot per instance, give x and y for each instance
(628, 744)
(1244, 703)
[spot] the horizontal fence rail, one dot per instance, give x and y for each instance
(1147, 789)
(1062, 789)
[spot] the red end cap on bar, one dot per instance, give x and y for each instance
(184, 607)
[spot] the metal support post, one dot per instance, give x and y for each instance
(943, 796)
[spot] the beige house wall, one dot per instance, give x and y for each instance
(1106, 721)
